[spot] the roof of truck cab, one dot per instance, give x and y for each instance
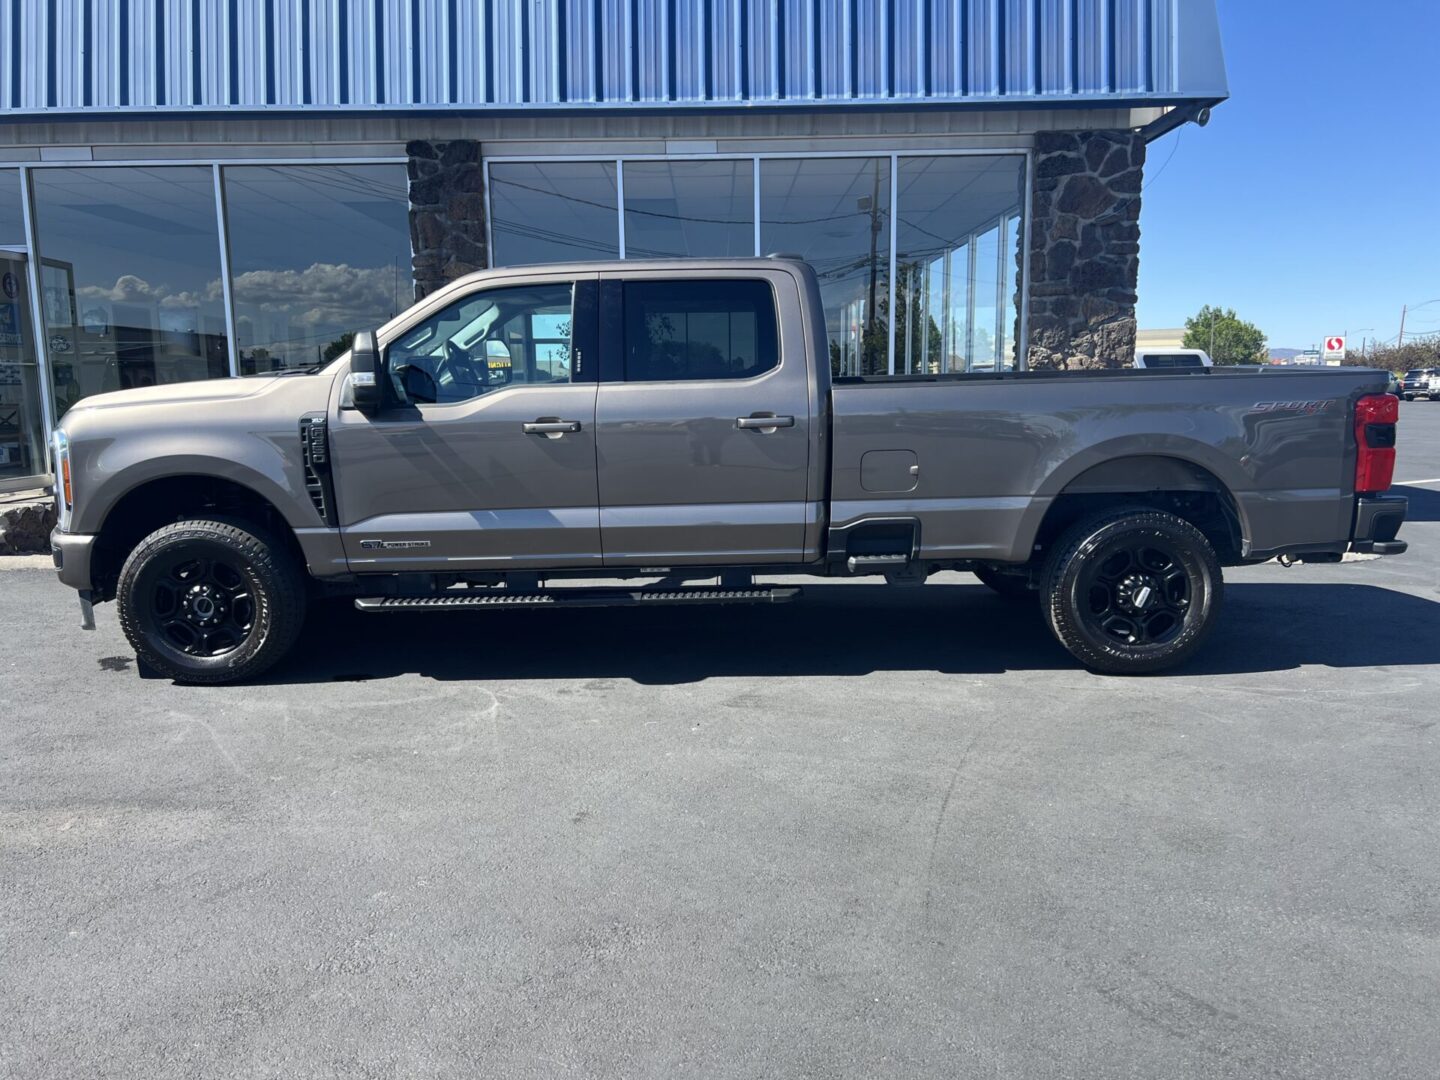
(609, 266)
(630, 266)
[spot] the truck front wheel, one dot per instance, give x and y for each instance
(210, 601)
(1130, 592)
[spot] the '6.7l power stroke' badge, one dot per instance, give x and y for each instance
(393, 545)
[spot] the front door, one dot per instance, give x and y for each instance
(704, 420)
(488, 459)
(22, 433)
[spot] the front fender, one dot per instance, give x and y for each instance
(114, 451)
(119, 470)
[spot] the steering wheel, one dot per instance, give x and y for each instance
(461, 368)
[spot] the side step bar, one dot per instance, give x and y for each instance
(864, 564)
(578, 597)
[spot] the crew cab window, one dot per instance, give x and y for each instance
(693, 329)
(484, 342)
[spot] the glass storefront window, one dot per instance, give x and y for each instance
(131, 289)
(835, 213)
(957, 230)
(317, 252)
(984, 343)
(679, 209)
(22, 434)
(553, 211)
(956, 239)
(933, 320)
(12, 220)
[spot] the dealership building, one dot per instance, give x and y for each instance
(205, 188)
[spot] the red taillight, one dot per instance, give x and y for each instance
(1375, 418)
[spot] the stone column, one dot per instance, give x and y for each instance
(1085, 249)
(447, 212)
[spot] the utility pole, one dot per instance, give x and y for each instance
(1403, 312)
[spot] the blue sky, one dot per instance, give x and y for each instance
(1311, 204)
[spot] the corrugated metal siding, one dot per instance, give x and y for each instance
(248, 55)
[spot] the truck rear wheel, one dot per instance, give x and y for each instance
(210, 601)
(1130, 592)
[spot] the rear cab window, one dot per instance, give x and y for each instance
(700, 330)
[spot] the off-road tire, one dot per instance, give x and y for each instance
(1010, 586)
(1069, 580)
(274, 584)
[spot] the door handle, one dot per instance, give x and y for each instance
(763, 423)
(551, 428)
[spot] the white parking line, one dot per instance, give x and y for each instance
(1416, 483)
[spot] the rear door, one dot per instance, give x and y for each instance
(704, 420)
(489, 460)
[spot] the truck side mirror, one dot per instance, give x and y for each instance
(366, 370)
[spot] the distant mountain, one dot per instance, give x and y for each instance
(1285, 354)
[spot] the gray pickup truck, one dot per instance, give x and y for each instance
(673, 429)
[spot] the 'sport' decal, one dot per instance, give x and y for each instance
(1309, 408)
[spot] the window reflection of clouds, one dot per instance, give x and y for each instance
(316, 252)
(132, 271)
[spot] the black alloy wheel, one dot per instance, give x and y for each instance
(210, 601)
(1132, 591)
(204, 607)
(1136, 592)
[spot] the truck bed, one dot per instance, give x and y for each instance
(978, 459)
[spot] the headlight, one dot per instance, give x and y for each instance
(64, 493)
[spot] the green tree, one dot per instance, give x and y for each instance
(1228, 338)
(1416, 353)
(338, 346)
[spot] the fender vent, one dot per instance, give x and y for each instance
(315, 455)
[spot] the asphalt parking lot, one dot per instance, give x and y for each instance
(875, 833)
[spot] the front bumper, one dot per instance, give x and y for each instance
(71, 553)
(1377, 522)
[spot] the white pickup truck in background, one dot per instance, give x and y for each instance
(1172, 358)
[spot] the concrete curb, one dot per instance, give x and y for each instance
(25, 562)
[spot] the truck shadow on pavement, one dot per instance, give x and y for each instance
(844, 630)
(1424, 504)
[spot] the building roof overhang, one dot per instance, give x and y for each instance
(396, 56)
